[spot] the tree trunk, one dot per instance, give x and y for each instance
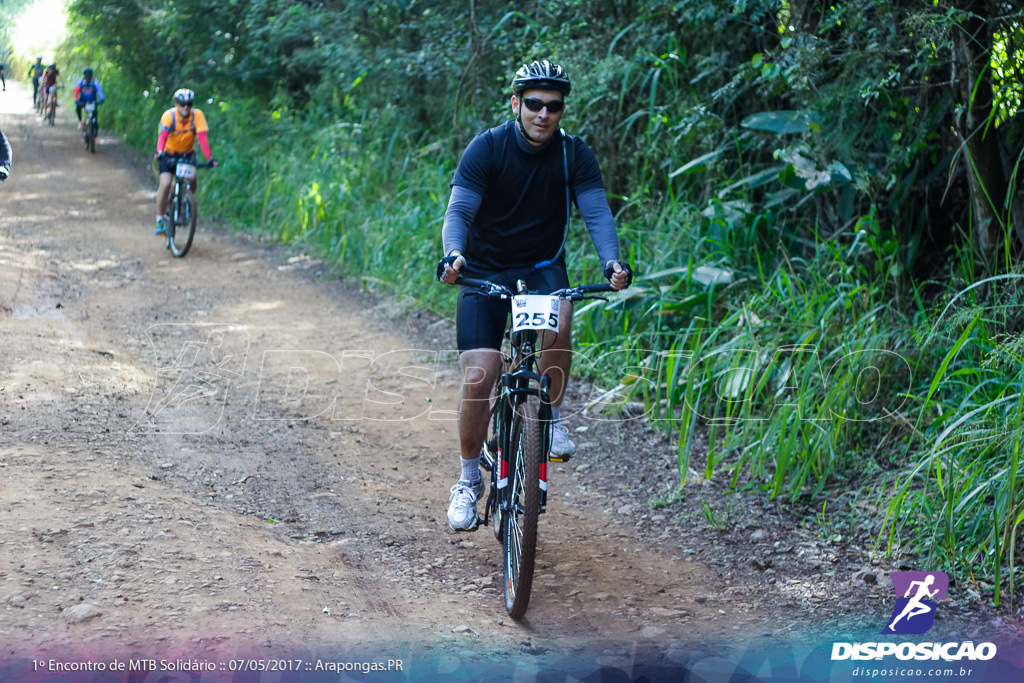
(973, 92)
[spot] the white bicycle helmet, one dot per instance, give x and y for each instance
(184, 96)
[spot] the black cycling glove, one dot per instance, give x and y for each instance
(447, 261)
(609, 270)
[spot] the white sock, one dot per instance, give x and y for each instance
(471, 470)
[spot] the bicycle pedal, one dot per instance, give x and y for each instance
(559, 458)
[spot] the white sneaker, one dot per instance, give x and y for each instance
(462, 505)
(562, 448)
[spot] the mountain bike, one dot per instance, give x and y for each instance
(182, 209)
(40, 101)
(51, 107)
(517, 449)
(90, 127)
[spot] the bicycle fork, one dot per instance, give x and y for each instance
(171, 213)
(498, 496)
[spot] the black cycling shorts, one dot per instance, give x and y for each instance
(168, 162)
(480, 322)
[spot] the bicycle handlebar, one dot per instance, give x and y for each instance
(205, 164)
(496, 291)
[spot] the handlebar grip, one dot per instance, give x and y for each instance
(591, 289)
(472, 282)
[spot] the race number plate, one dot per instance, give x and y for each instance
(534, 312)
(90, 107)
(183, 170)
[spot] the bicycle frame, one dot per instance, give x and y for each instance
(51, 107)
(179, 188)
(521, 380)
(91, 129)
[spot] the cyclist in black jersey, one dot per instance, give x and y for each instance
(36, 71)
(506, 220)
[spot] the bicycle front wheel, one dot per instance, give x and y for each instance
(93, 132)
(184, 225)
(520, 523)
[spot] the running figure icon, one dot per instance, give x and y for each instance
(918, 590)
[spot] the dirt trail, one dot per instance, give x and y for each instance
(228, 455)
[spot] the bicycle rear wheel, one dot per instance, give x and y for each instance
(51, 115)
(490, 461)
(184, 217)
(520, 523)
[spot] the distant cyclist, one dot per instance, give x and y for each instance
(5, 157)
(88, 89)
(50, 79)
(180, 127)
(36, 71)
(2, 79)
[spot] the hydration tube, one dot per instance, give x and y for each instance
(568, 206)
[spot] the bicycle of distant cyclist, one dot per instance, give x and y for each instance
(182, 209)
(517, 449)
(90, 126)
(51, 107)
(41, 97)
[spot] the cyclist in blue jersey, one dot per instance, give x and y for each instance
(507, 220)
(88, 89)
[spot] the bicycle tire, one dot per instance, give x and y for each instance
(51, 115)
(490, 460)
(184, 219)
(520, 524)
(93, 132)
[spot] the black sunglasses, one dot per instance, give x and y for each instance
(554, 106)
(184, 104)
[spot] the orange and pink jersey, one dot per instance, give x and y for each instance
(178, 134)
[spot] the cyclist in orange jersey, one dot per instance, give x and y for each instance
(180, 127)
